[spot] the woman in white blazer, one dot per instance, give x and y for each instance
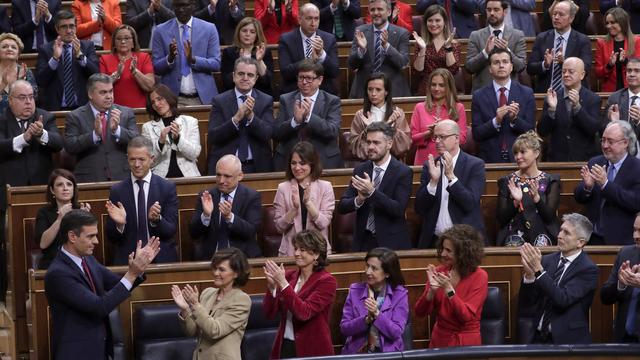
(175, 137)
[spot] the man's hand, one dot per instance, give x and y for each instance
(514, 110)
(188, 52)
(548, 58)
(57, 48)
(587, 178)
(490, 44)
(37, 127)
(141, 258)
(634, 114)
(301, 110)
(501, 112)
(97, 126)
(225, 210)
(613, 113)
(384, 37)
(117, 213)
(207, 203)
(363, 185)
(501, 43)
(318, 47)
(552, 99)
(154, 212)
(114, 119)
(574, 97)
(434, 170)
(447, 161)
(599, 174)
(361, 40)
(173, 51)
(532, 256)
(77, 51)
(233, 4)
(559, 58)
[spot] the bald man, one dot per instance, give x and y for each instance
(307, 41)
(227, 215)
(571, 116)
(450, 187)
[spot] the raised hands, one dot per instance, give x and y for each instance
(275, 274)
(57, 48)
(361, 40)
(587, 179)
(574, 97)
(396, 115)
(35, 130)
(434, 170)
(188, 52)
(515, 191)
(384, 38)
(154, 212)
(207, 203)
(548, 58)
(318, 47)
(301, 110)
(364, 185)
(117, 213)
(225, 210)
(178, 298)
(530, 257)
(114, 119)
(599, 174)
(142, 257)
(552, 99)
(173, 51)
(260, 51)
(490, 44)
(191, 295)
(449, 41)
(629, 275)
(245, 110)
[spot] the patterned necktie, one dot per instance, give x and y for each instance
(546, 317)
(377, 59)
(67, 73)
(142, 214)
(496, 33)
(556, 75)
(185, 69)
(377, 179)
(243, 143)
(337, 23)
(87, 273)
(307, 50)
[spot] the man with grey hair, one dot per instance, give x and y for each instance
(610, 186)
(98, 132)
(142, 206)
(557, 289)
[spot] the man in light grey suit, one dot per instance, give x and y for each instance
(496, 34)
(379, 47)
(98, 133)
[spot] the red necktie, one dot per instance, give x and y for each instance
(103, 119)
(87, 272)
(503, 96)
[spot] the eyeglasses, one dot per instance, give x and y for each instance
(606, 141)
(307, 79)
(23, 98)
(124, 38)
(442, 137)
(243, 74)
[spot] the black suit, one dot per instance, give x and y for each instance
(51, 82)
(23, 26)
(389, 203)
(572, 133)
(348, 17)
(33, 165)
(570, 299)
(5, 26)
(609, 294)
(247, 211)
(224, 20)
(138, 17)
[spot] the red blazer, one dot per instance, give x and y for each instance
(404, 17)
(86, 26)
(607, 77)
(310, 313)
(269, 21)
(458, 318)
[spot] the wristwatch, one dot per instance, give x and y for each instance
(451, 293)
(537, 273)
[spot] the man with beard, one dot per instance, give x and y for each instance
(624, 104)
(379, 192)
(497, 34)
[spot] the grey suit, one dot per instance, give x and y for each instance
(395, 60)
(621, 98)
(478, 65)
(102, 161)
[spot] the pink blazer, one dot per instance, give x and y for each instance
(420, 121)
(321, 194)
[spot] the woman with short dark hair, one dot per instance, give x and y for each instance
(456, 289)
(219, 315)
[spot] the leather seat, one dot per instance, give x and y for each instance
(158, 334)
(493, 323)
(260, 332)
(117, 336)
(271, 238)
(342, 227)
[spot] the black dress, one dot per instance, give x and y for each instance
(534, 223)
(229, 56)
(44, 219)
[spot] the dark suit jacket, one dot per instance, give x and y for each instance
(80, 316)
(464, 197)
(395, 60)
(160, 190)
(322, 130)
(389, 203)
(462, 14)
(348, 17)
(621, 98)
(632, 7)
(224, 136)
(224, 20)
(51, 81)
(291, 53)
(609, 294)
(247, 211)
(92, 159)
(578, 45)
(23, 26)
(572, 134)
(579, 22)
(571, 298)
(484, 104)
(621, 201)
(33, 165)
(5, 26)
(138, 17)
(230, 55)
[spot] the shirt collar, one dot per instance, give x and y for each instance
(76, 259)
(385, 27)
(189, 23)
(232, 194)
(304, 37)
(96, 111)
(501, 28)
(238, 93)
(384, 165)
(146, 178)
(618, 164)
(565, 36)
(312, 97)
(632, 94)
(571, 258)
(496, 86)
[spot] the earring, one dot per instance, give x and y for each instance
(315, 262)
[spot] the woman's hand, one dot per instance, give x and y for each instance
(85, 207)
(444, 280)
(372, 307)
(64, 209)
(163, 134)
(175, 131)
(516, 192)
(191, 295)
(431, 278)
(449, 42)
(176, 293)
(276, 272)
(395, 116)
(419, 41)
(533, 190)
(260, 51)
(612, 58)
(133, 67)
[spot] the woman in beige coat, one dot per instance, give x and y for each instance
(219, 318)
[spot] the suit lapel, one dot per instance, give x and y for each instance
(571, 269)
(77, 270)
(153, 192)
(571, 43)
(130, 199)
(318, 107)
(297, 44)
(624, 104)
(216, 207)
(368, 33)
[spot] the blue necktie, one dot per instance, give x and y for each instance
(377, 59)
(185, 69)
(67, 74)
(556, 76)
(39, 31)
(142, 214)
(224, 227)
(611, 173)
(377, 179)
(243, 143)
(307, 50)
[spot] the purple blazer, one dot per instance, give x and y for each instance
(390, 322)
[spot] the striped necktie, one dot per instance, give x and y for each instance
(307, 50)
(377, 179)
(377, 60)
(337, 23)
(67, 74)
(556, 76)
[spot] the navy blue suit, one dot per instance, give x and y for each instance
(389, 202)
(247, 211)
(291, 53)
(464, 197)
(571, 298)
(621, 201)
(609, 294)
(23, 26)
(224, 136)
(484, 104)
(348, 17)
(462, 14)
(578, 45)
(81, 317)
(160, 190)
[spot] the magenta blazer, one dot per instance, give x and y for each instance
(420, 121)
(390, 322)
(321, 194)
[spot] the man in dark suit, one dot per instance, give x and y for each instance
(571, 116)
(450, 187)
(501, 111)
(82, 292)
(33, 22)
(558, 288)
(338, 17)
(624, 104)
(241, 122)
(307, 42)
(579, 22)
(623, 289)
(379, 47)
(228, 215)
(64, 65)
(145, 15)
(309, 114)
(98, 133)
(224, 14)
(141, 206)
(5, 25)
(461, 12)
(379, 192)
(553, 46)
(610, 186)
